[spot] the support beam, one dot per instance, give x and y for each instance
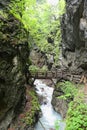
(57, 74)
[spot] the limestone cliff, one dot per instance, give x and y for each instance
(74, 35)
(13, 59)
(73, 45)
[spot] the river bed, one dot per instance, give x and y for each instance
(49, 117)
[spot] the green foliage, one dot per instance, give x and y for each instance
(23, 10)
(19, 7)
(69, 89)
(1, 24)
(57, 125)
(46, 47)
(77, 114)
(3, 14)
(16, 8)
(61, 7)
(40, 19)
(35, 69)
(44, 69)
(35, 107)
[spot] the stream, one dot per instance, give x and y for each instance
(49, 117)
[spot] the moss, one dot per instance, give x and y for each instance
(35, 69)
(34, 108)
(3, 14)
(29, 118)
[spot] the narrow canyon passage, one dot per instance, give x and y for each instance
(49, 118)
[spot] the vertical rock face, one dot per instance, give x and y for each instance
(60, 105)
(74, 35)
(13, 60)
(74, 45)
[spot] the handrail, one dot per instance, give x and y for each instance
(56, 74)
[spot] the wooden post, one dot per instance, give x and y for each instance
(46, 74)
(36, 75)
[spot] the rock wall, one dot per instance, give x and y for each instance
(37, 58)
(74, 35)
(59, 104)
(40, 59)
(13, 59)
(73, 46)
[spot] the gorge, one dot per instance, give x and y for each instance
(40, 37)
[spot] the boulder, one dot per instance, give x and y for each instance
(60, 105)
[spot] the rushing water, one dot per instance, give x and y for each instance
(49, 116)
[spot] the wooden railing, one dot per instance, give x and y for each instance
(57, 74)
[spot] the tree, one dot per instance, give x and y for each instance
(41, 22)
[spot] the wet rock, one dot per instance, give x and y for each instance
(42, 100)
(49, 82)
(41, 59)
(60, 105)
(13, 59)
(31, 113)
(74, 36)
(73, 46)
(37, 58)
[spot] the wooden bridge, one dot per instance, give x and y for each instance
(63, 75)
(57, 74)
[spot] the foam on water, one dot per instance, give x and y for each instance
(49, 116)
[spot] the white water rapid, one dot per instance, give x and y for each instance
(49, 116)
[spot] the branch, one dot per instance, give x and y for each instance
(42, 125)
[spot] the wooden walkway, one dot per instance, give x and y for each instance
(63, 75)
(57, 74)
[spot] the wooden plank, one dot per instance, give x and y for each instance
(58, 74)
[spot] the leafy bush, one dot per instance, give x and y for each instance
(77, 115)
(3, 14)
(61, 7)
(33, 69)
(44, 69)
(69, 89)
(40, 20)
(57, 125)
